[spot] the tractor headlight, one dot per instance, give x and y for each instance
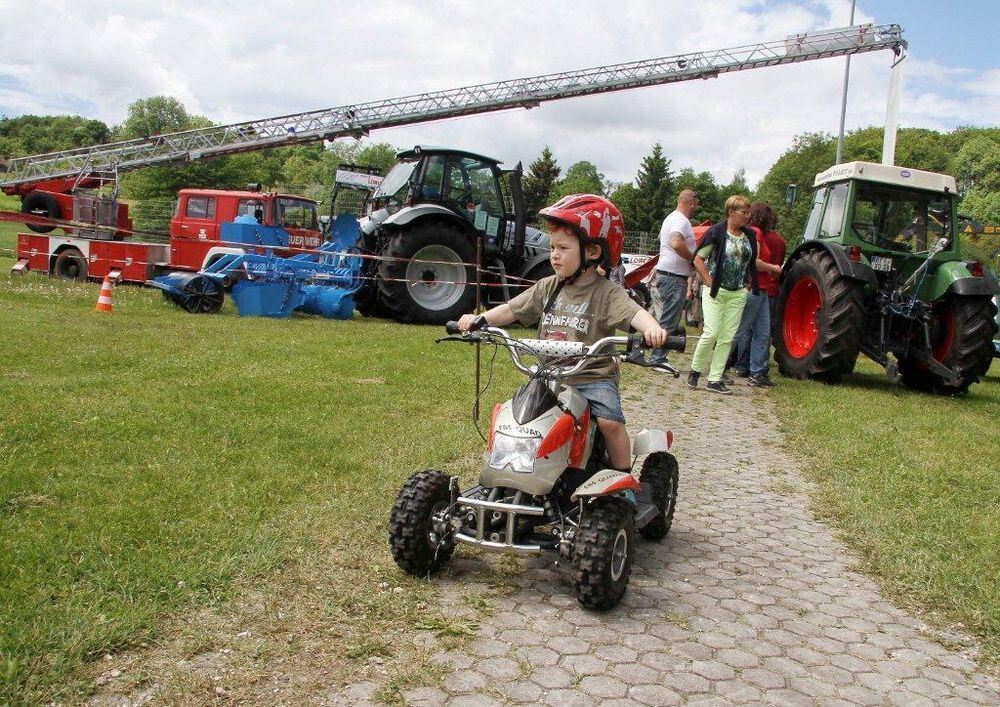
(516, 452)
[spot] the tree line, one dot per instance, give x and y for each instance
(970, 154)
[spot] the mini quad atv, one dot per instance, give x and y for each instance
(545, 485)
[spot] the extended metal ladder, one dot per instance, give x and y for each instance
(360, 118)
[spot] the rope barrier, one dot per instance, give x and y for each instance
(119, 263)
(32, 219)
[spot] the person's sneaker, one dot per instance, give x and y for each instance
(727, 379)
(741, 373)
(760, 381)
(718, 387)
(693, 377)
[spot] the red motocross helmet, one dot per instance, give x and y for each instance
(594, 219)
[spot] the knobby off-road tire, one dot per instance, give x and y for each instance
(962, 331)
(40, 204)
(820, 315)
(603, 553)
(423, 495)
(660, 471)
(440, 288)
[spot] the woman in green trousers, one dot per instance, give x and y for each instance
(724, 261)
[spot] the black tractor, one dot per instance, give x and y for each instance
(440, 220)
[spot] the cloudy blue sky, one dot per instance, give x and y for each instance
(233, 61)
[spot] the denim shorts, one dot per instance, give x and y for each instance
(604, 399)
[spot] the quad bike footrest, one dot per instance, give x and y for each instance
(493, 542)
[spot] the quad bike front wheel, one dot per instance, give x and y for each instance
(961, 334)
(416, 547)
(819, 320)
(660, 471)
(603, 553)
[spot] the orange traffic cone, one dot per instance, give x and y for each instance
(104, 299)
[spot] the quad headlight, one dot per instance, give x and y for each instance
(516, 452)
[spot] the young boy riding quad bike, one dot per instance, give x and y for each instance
(554, 480)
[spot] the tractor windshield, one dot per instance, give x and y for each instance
(396, 184)
(902, 220)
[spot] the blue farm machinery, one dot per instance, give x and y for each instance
(262, 284)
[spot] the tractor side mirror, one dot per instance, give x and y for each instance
(790, 192)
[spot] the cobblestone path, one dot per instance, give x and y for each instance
(748, 600)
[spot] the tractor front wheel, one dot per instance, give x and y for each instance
(961, 333)
(819, 319)
(428, 276)
(416, 546)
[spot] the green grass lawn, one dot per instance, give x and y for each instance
(150, 458)
(913, 482)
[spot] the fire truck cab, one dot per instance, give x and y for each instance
(196, 229)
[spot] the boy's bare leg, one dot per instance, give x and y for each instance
(616, 439)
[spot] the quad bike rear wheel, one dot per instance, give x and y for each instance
(660, 471)
(416, 547)
(819, 320)
(961, 333)
(603, 553)
(428, 276)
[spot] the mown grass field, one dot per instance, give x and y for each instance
(150, 459)
(913, 483)
(153, 463)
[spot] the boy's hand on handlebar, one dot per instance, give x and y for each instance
(655, 337)
(467, 321)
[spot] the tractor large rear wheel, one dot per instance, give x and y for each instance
(819, 315)
(962, 330)
(429, 275)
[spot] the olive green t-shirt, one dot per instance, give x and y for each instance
(584, 313)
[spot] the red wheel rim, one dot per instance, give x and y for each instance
(799, 319)
(942, 332)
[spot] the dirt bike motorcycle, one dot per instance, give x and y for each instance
(545, 486)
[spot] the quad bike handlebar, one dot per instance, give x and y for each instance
(569, 356)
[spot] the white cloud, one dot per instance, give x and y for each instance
(241, 61)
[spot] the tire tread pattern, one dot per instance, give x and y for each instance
(409, 523)
(661, 472)
(595, 539)
(971, 352)
(841, 317)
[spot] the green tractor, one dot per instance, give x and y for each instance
(879, 271)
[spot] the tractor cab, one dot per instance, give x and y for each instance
(468, 185)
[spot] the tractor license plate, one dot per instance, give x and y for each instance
(881, 263)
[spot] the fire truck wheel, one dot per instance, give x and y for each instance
(70, 265)
(40, 204)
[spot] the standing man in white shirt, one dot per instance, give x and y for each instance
(677, 246)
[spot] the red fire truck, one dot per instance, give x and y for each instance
(83, 252)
